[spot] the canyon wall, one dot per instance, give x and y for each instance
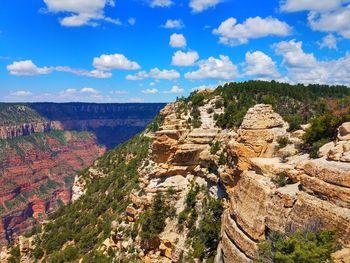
(111, 123)
(43, 146)
(37, 171)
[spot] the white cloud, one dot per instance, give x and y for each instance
(27, 68)
(305, 68)
(174, 24)
(260, 65)
(150, 91)
(155, 73)
(184, 58)
(214, 68)
(114, 61)
(21, 93)
(164, 74)
(332, 21)
(177, 40)
(132, 21)
(81, 72)
(138, 76)
(234, 34)
(309, 5)
(68, 93)
(81, 12)
(161, 3)
(329, 41)
(198, 6)
(89, 90)
(175, 90)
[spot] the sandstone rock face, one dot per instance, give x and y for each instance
(10, 132)
(317, 191)
(257, 136)
(260, 117)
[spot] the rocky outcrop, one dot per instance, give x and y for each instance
(257, 136)
(14, 131)
(317, 191)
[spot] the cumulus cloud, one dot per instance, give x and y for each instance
(177, 41)
(305, 68)
(198, 6)
(155, 73)
(138, 76)
(184, 58)
(27, 68)
(260, 65)
(103, 65)
(21, 93)
(150, 91)
(87, 12)
(114, 61)
(177, 23)
(329, 41)
(89, 90)
(324, 15)
(233, 34)
(175, 90)
(82, 72)
(307, 5)
(164, 74)
(160, 3)
(214, 68)
(332, 21)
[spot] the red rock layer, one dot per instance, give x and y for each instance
(34, 178)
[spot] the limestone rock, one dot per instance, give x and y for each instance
(261, 116)
(344, 132)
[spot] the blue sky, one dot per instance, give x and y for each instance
(157, 50)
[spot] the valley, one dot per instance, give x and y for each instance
(40, 153)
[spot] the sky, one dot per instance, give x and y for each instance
(158, 50)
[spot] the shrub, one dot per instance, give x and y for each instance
(215, 147)
(219, 104)
(282, 141)
(210, 110)
(281, 179)
(306, 247)
(222, 159)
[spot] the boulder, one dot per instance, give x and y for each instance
(344, 132)
(261, 116)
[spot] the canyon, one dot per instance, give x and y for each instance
(191, 190)
(44, 145)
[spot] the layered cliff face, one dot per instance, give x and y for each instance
(36, 175)
(315, 191)
(43, 146)
(111, 123)
(192, 191)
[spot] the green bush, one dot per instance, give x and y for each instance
(153, 220)
(282, 141)
(215, 147)
(306, 247)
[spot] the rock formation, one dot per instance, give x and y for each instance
(265, 186)
(33, 179)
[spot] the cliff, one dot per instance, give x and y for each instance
(111, 123)
(36, 175)
(43, 146)
(218, 179)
